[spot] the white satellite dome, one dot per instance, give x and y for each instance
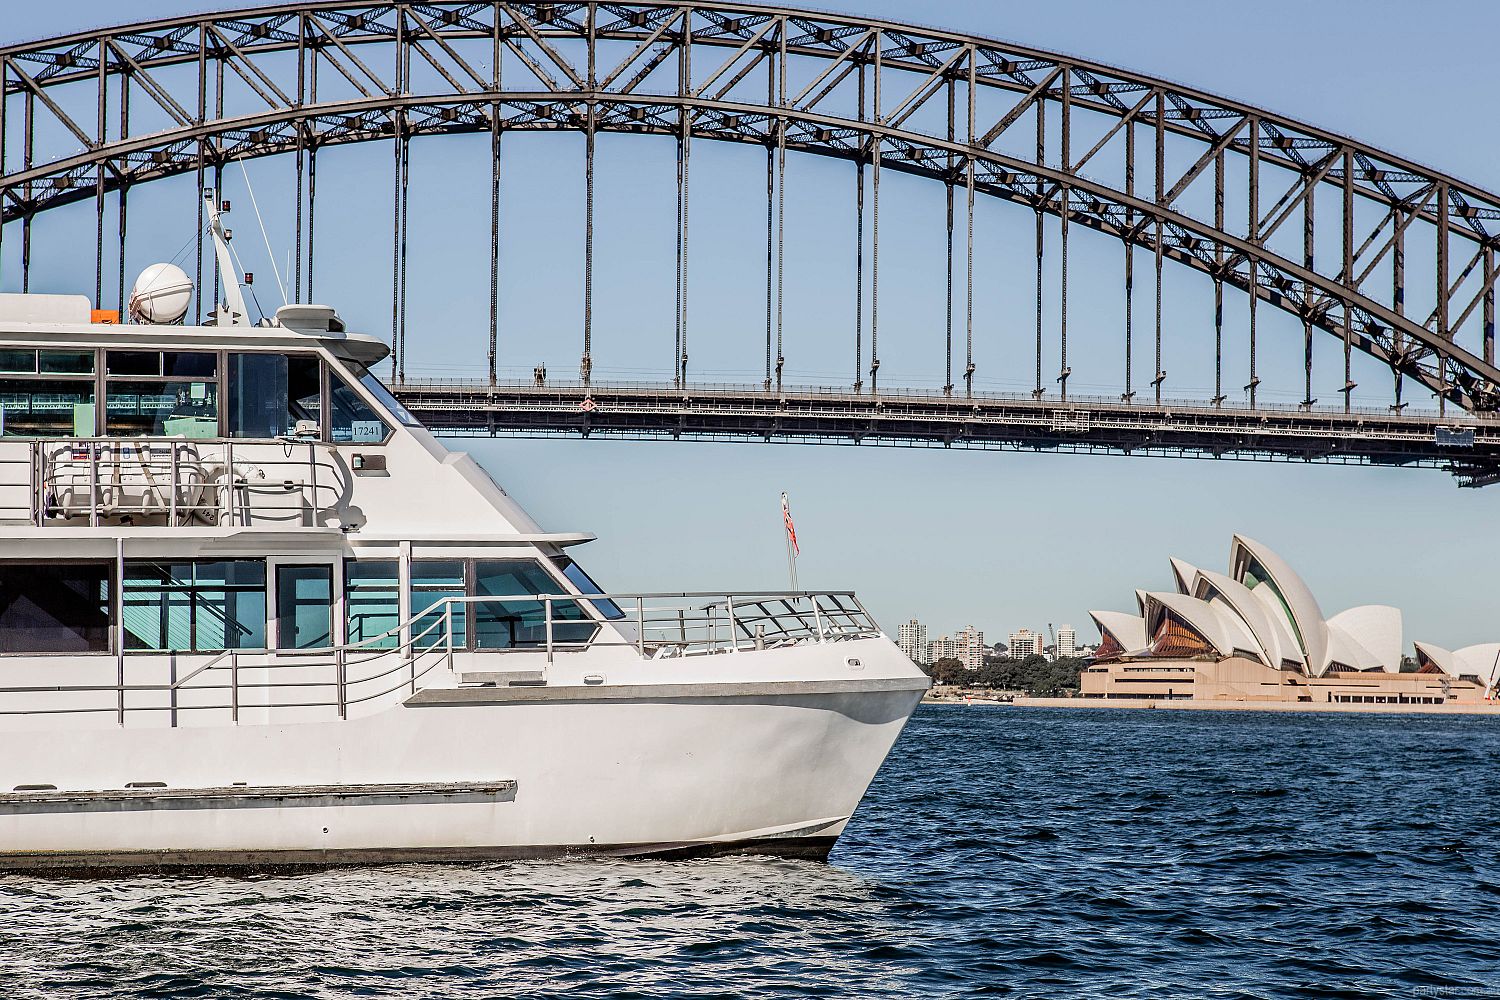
(162, 294)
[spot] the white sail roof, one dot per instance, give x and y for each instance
(1371, 634)
(1184, 573)
(1255, 565)
(1222, 629)
(1129, 630)
(1274, 640)
(1481, 661)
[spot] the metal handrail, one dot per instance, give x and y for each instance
(698, 623)
(171, 476)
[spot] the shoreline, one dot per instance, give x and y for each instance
(1257, 706)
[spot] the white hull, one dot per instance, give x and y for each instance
(257, 615)
(481, 772)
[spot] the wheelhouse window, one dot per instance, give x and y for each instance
(46, 393)
(392, 405)
(55, 607)
(195, 607)
(522, 624)
(269, 394)
(372, 594)
(353, 420)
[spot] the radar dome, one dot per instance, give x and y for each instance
(162, 294)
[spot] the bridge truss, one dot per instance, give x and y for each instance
(1313, 224)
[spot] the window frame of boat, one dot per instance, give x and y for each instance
(276, 620)
(265, 589)
(107, 379)
(93, 378)
(390, 420)
(112, 575)
(470, 590)
(99, 378)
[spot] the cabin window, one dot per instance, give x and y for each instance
(47, 407)
(432, 582)
(586, 585)
(195, 607)
(33, 362)
(353, 420)
(161, 408)
(372, 594)
(161, 394)
(304, 607)
(270, 393)
(521, 624)
(55, 608)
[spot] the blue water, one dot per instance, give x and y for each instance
(1001, 852)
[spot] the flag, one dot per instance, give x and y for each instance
(791, 529)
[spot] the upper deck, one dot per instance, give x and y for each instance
(185, 426)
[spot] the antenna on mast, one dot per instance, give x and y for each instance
(232, 311)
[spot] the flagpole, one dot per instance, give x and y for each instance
(791, 563)
(791, 541)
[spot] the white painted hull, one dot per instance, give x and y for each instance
(774, 766)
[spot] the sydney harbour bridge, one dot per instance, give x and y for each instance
(1302, 235)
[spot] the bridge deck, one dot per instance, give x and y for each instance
(1465, 445)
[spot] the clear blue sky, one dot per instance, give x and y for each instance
(999, 540)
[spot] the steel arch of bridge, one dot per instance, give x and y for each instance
(972, 113)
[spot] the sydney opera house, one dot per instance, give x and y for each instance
(1256, 634)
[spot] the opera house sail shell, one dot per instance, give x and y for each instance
(1257, 634)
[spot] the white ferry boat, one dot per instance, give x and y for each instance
(253, 614)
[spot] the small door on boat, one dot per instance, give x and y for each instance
(304, 607)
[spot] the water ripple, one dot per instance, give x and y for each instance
(1016, 853)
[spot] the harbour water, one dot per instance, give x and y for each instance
(1001, 852)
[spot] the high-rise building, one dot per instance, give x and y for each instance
(942, 648)
(966, 646)
(1067, 642)
(1026, 643)
(970, 642)
(912, 638)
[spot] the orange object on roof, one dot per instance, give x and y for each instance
(105, 316)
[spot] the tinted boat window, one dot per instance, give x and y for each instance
(304, 607)
(269, 393)
(586, 585)
(189, 364)
(132, 363)
(433, 580)
(18, 362)
(155, 409)
(391, 403)
(46, 408)
(67, 362)
(521, 624)
(195, 606)
(54, 608)
(372, 593)
(354, 420)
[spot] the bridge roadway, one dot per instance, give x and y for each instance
(1460, 443)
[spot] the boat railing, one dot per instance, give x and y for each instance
(235, 685)
(661, 625)
(237, 681)
(166, 481)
